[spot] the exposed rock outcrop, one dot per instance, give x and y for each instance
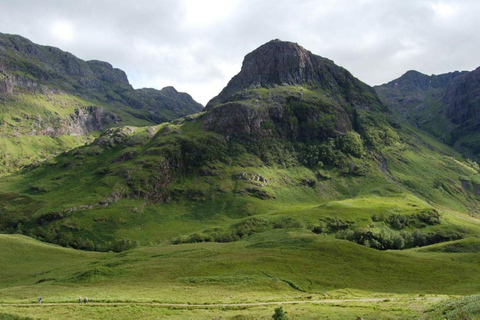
(462, 97)
(286, 69)
(280, 63)
(446, 105)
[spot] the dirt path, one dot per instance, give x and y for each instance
(219, 305)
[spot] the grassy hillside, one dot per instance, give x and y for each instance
(177, 183)
(321, 155)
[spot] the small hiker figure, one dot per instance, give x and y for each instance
(85, 300)
(79, 299)
(39, 300)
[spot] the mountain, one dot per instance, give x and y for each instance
(51, 101)
(285, 91)
(306, 189)
(279, 63)
(444, 105)
(294, 142)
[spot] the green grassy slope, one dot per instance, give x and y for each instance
(280, 265)
(322, 155)
(133, 185)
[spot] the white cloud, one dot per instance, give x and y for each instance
(63, 30)
(206, 13)
(445, 10)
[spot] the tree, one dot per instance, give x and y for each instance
(351, 143)
(279, 314)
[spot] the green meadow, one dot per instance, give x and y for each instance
(275, 266)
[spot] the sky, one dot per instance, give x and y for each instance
(197, 46)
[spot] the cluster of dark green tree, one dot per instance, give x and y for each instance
(67, 238)
(383, 237)
(419, 220)
(387, 240)
(239, 230)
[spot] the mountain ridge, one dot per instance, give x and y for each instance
(51, 101)
(323, 158)
(444, 105)
(48, 64)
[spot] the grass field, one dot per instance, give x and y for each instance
(387, 309)
(276, 266)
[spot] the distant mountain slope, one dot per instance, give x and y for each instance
(446, 105)
(51, 101)
(319, 153)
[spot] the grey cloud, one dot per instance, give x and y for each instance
(377, 40)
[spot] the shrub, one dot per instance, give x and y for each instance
(351, 143)
(388, 240)
(335, 224)
(279, 314)
(419, 220)
(124, 244)
(286, 223)
(251, 226)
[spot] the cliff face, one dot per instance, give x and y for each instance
(447, 105)
(408, 93)
(280, 63)
(286, 91)
(463, 100)
(84, 121)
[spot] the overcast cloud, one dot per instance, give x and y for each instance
(198, 45)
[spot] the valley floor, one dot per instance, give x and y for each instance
(367, 308)
(310, 276)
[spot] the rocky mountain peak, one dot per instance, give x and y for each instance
(169, 90)
(281, 63)
(280, 81)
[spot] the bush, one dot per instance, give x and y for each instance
(458, 308)
(332, 225)
(388, 240)
(419, 220)
(286, 223)
(280, 314)
(351, 143)
(251, 226)
(124, 244)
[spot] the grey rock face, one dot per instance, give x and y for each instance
(83, 122)
(463, 100)
(235, 118)
(280, 63)
(447, 105)
(8, 83)
(283, 110)
(90, 119)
